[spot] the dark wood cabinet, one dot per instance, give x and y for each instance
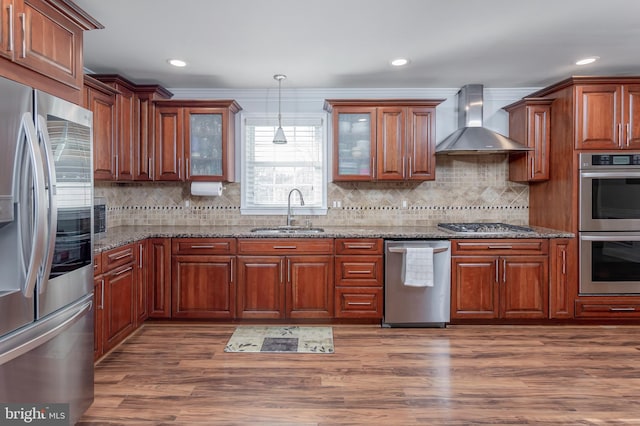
(288, 278)
(359, 278)
(142, 291)
(607, 116)
(143, 154)
(98, 307)
(530, 124)
(203, 278)
(194, 140)
(101, 100)
(562, 277)
(42, 45)
(383, 140)
(500, 279)
(119, 295)
(158, 265)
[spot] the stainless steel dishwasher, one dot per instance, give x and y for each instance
(406, 306)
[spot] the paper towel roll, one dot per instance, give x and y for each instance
(206, 189)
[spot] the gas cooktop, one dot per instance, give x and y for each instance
(483, 228)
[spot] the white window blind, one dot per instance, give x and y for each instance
(271, 171)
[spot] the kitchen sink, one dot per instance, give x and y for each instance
(280, 230)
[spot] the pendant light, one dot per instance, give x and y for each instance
(279, 138)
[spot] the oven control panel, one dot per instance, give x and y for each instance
(588, 161)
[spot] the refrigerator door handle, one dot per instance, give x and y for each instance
(52, 216)
(67, 320)
(40, 226)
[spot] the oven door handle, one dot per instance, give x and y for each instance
(618, 173)
(621, 237)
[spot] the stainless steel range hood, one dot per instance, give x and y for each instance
(471, 137)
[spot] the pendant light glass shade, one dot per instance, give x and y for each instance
(279, 138)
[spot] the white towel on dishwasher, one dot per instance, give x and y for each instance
(417, 267)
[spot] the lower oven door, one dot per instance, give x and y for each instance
(609, 263)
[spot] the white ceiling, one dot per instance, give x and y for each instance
(349, 43)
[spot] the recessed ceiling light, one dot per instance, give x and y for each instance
(177, 62)
(399, 62)
(587, 61)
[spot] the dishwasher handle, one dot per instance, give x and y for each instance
(404, 250)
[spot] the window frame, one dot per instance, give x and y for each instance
(287, 119)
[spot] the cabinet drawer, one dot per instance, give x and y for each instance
(355, 302)
(285, 246)
(358, 246)
(500, 246)
(97, 264)
(360, 271)
(607, 309)
(203, 246)
(117, 257)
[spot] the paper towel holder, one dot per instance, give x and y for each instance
(207, 189)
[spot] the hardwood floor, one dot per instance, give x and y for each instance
(178, 374)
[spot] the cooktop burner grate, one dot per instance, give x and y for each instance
(483, 228)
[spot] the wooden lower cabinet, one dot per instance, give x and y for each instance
(510, 284)
(158, 265)
(203, 278)
(142, 291)
(563, 277)
(98, 307)
(119, 312)
(295, 283)
(358, 278)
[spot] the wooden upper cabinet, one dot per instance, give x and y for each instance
(607, 116)
(530, 124)
(195, 140)
(383, 140)
(143, 151)
(101, 99)
(42, 42)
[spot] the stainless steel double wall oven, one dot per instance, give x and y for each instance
(609, 223)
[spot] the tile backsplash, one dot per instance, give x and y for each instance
(467, 188)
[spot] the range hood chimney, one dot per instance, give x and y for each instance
(471, 137)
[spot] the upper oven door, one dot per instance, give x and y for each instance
(610, 200)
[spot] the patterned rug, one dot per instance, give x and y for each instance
(291, 339)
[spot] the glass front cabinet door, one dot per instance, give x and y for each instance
(204, 140)
(354, 133)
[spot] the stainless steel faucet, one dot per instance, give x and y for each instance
(289, 204)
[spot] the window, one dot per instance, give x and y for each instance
(270, 171)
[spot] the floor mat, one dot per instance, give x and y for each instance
(288, 339)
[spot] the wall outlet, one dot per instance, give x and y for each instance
(337, 204)
(405, 204)
(187, 203)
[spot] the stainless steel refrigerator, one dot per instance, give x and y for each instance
(46, 251)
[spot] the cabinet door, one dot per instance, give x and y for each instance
(421, 159)
(261, 292)
(103, 107)
(563, 278)
(309, 287)
(524, 287)
(632, 116)
(202, 287)
(474, 292)
(7, 20)
(142, 291)
(52, 43)
(598, 116)
(390, 150)
(205, 144)
(126, 129)
(169, 144)
(119, 305)
(158, 266)
(354, 143)
(98, 314)
(143, 149)
(538, 135)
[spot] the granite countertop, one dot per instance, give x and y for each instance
(122, 235)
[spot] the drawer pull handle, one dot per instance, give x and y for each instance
(285, 247)
(500, 247)
(203, 246)
(119, 256)
(115, 274)
(359, 303)
(629, 309)
(360, 272)
(359, 246)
